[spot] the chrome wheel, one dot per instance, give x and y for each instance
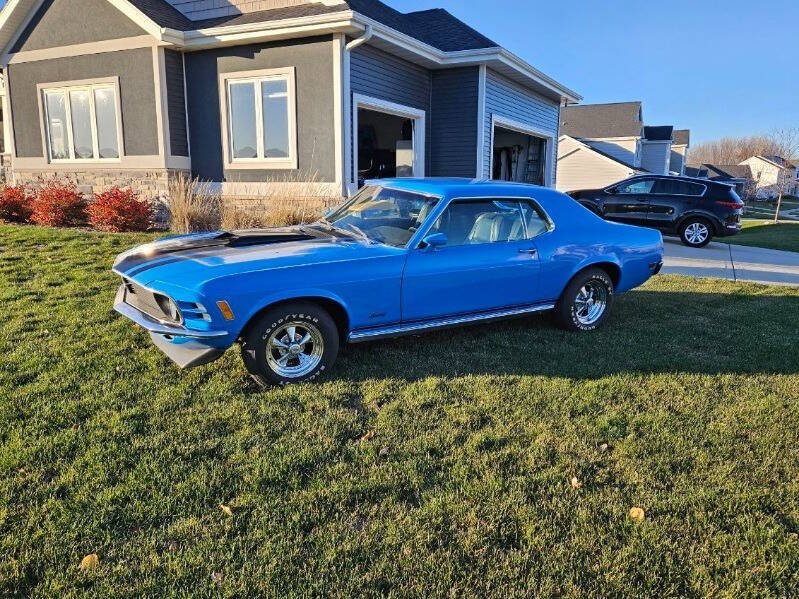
(696, 233)
(294, 349)
(590, 303)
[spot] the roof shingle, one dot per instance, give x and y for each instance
(596, 121)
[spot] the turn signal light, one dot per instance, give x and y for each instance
(225, 309)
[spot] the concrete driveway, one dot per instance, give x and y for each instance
(732, 262)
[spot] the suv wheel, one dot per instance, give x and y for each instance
(586, 302)
(292, 343)
(696, 232)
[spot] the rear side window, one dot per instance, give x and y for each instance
(677, 187)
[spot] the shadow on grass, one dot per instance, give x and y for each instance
(649, 332)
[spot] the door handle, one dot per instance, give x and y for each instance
(532, 252)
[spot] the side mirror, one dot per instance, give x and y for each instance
(436, 240)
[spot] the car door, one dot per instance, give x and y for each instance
(670, 199)
(628, 202)
(487, 262)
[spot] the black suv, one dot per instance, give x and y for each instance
(694, 209)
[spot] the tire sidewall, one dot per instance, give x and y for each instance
(255, 346)
(567, 310)
(688, 223)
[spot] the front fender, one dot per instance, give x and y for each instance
(248, 312)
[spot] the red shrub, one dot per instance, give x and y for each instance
(16, 204)
(120, 210)
(59, 204)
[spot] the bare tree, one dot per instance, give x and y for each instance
(734, 150)
(788, 142)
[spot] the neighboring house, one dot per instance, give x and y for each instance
(679, 151)
(594, 133)
(737, 175)
(245, 93)
(772, 174)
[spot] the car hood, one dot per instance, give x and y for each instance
(189, 261)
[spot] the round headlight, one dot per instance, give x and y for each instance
(169, 307)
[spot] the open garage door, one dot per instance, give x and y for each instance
(518, 157)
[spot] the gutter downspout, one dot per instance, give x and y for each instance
(359, 41)
(347, 91)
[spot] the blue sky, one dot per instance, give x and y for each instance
(717, 67)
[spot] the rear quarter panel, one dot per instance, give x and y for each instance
(582, 239)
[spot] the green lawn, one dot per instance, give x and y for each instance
(765, 234)
(427, 466)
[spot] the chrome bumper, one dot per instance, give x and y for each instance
(155, 326)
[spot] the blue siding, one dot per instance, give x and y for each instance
(510, 100)
(454, 122)
(380, 75)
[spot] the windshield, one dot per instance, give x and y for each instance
(385, 215)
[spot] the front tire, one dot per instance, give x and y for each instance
(292, 343)
(586, 302)
(696, 232)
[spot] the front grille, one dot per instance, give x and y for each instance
(145, 301)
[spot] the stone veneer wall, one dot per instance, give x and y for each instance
(150, 184)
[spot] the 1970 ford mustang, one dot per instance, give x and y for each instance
(400, 257)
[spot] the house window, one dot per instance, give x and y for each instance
(260, 119)
(81, 122)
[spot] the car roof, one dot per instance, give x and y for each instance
(449, 186)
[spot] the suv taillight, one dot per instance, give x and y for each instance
(733, 205)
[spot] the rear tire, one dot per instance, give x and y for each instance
(696, 232)
(292, 343)
(586, 302)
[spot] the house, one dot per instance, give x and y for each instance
(246, 94)
(601, 144)
(679, 151)
(772, 174)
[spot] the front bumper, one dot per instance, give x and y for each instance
(185, 347)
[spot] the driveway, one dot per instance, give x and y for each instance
(732, 262)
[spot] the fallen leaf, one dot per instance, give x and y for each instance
(216, 577)
(367, 436)
(90, 562)
(637, 515)
(226, 509)
(383, 452)
(604, 447)
(576, 484)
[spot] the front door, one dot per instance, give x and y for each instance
(629, 202)
(489, 262)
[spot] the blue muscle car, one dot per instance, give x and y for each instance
(402, 256)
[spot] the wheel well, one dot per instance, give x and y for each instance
(612, 270)
(336, 311)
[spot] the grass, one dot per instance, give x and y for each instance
(765, 234)
(426, 466)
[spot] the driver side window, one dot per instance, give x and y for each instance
(639, 186)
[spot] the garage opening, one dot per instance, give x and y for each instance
(385, 145)
(518, 157)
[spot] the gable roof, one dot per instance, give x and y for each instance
(435, 27)
(661, 133)
(682, 137)
(619, 161)
(595, 121)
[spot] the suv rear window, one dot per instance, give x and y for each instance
(678, 187)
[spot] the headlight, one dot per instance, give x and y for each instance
(169, 307)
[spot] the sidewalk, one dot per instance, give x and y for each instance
(732, 262)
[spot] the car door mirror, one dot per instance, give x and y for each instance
(436, 240)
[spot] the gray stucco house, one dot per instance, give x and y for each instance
(245, 93)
